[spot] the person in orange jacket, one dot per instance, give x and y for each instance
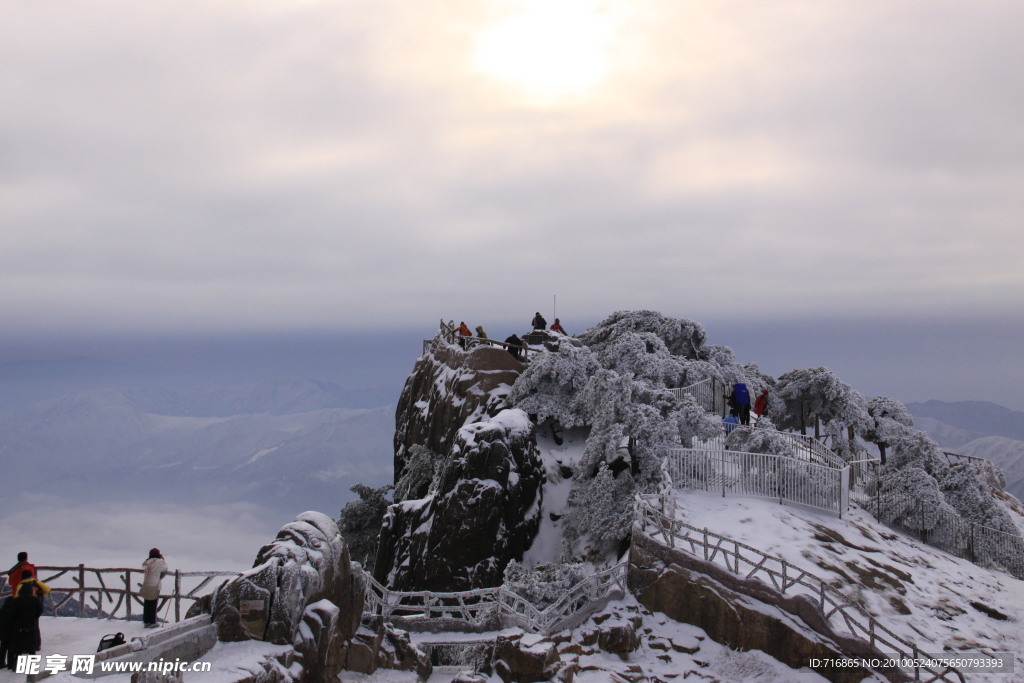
(463, 331)
(557, 327)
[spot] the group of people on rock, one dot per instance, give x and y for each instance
(20, 611)
(739, 406)
(512, 343)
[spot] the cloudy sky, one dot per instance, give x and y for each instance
(224, 165)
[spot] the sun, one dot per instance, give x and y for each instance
(549, 49)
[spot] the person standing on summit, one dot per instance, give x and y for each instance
(463, 331)
(539, 323)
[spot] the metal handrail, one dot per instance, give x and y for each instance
(974, 542)
(760, 475)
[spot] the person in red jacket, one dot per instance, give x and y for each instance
(761, 404)
(14, 575)
(557, 327)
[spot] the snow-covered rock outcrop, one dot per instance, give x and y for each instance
(449, 388)
(482, 512)
(301, 592)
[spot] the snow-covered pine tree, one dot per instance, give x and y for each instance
(817, 395)
(889, 422)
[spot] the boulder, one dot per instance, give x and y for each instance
(520, 659)
(301, 591)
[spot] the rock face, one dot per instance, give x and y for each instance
(743, 614)
(483, 512)
(301, 592)
(467, 474)
(447, 389)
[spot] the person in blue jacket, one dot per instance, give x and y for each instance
(731, 421)
(739, 400)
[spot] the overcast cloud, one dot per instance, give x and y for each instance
(271, 165)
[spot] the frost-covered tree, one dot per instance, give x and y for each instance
(598, 514)
(889, 422)
(551, 383)
(418, 476)
(634, 422)
(910, 498)
(645, 357)
(952, 505)
(972, 498)
(360, 520)
(759, 440)
(545, 584)
(617, 390)
(915, 449)
(817, 395)
(682, 337)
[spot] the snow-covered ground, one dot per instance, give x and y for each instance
(935, 600)
(655, 657)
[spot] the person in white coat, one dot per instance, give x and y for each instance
(155, 568)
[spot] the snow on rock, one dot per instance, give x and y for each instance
(300, 592)
(482, 512)
(449, 388)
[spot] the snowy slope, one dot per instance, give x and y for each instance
(935, 600)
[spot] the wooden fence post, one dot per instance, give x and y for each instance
(81, 591)
(177, 595)
(128, 593)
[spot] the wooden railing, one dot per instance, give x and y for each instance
(109, 592)
(489, 608)
(747, 562)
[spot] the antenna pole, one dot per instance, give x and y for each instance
(554, 306)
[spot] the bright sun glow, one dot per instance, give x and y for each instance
(550, 49)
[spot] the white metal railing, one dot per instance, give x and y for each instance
(485, 608)
(944, 529)
(109, 593)
(760, 475)
(861, 471)
(747, 562)
(809, 448)
(707, 393)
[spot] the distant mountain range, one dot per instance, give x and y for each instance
(979, 428)
(286, 444)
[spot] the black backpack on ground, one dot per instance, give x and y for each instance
(110, 640)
